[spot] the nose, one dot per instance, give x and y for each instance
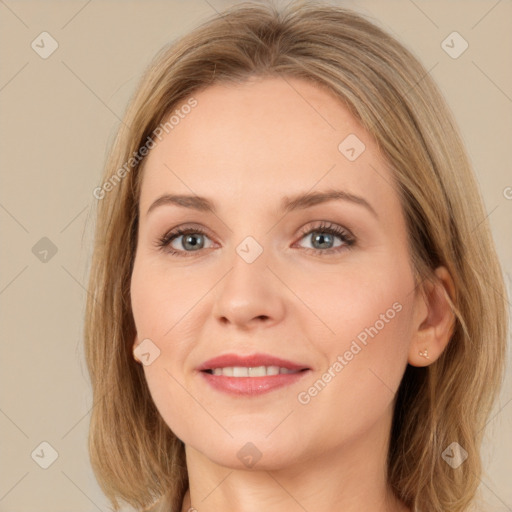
(250, 294)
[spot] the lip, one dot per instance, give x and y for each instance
(249, 361)
(251, 386)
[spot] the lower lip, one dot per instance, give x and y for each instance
(252, 386)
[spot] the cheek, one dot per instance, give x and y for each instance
(160, 300)
(365, 344)
(161, 313)
(366, 303)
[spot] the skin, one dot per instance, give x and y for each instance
(245, 147)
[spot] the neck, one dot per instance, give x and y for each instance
(350, 478)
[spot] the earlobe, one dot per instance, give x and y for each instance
(436, 322)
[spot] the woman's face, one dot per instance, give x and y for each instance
(324, 284)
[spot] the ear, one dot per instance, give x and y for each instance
(434, 320)
(134, 346)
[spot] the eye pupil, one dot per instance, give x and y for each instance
(321, 238)
(188, 242)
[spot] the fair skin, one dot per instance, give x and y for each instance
(245, 147)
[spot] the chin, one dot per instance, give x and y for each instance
(249, 452)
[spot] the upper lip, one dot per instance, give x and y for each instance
(249, 361)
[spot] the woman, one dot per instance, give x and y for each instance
(295, 297)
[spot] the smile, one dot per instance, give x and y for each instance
(255, 371)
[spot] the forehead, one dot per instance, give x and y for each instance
(263, 138)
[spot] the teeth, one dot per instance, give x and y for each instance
(273, 370)
(240, 371)
(257, 371)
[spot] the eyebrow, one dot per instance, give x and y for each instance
(298, 202)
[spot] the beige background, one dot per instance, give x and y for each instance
(58, 117)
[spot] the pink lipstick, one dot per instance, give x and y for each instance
(252, 374)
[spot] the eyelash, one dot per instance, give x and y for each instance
(163, 243)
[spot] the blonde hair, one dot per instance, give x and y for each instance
(134, 454)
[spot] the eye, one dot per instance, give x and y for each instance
(322, 238)
(192, 240)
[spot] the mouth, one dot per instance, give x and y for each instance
(251, 375)
(251, 371)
